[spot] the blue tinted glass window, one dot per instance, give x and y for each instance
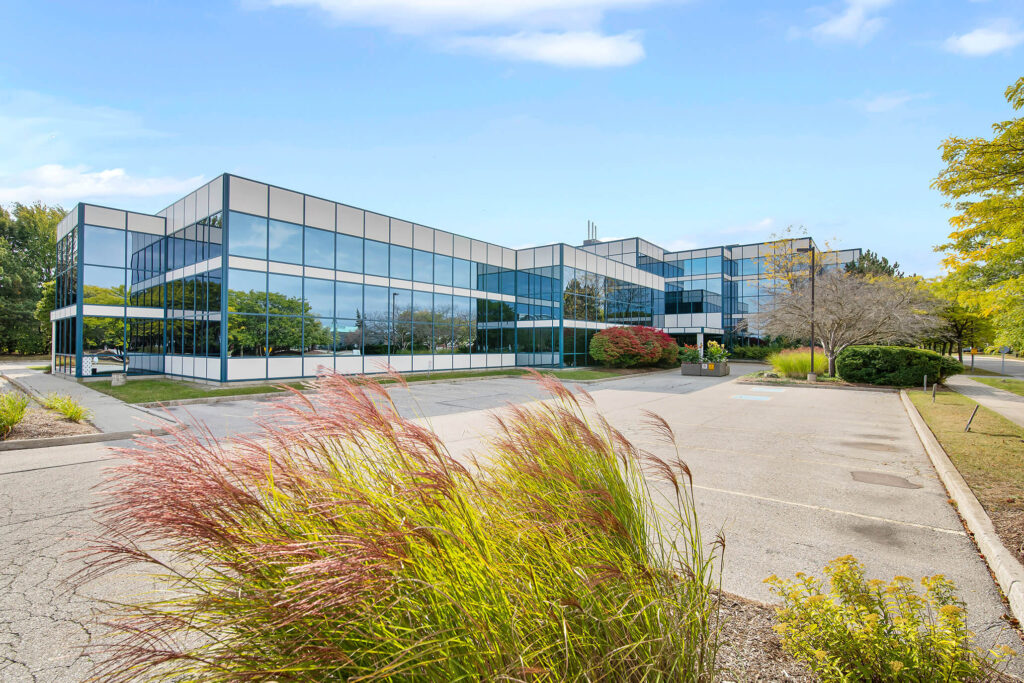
(104, 285)
(319, 248)
(715, 285)
(377, 303)
(348, 300)
(442, 269)
(401, 262)
(349, 252)
(401, 304)
(376, 258)
(423, 306)
(104, 246)
(285, 242)
(247, 291)
(748, 266)
(285, 294)
(422, 266)
(247, 235)
(508, 282)
(714, 264)
(319, 296)
(460, 274)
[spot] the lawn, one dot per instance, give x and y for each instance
(980, 372)
(152, 390)
(1014, 385)
(990, 457)
(149, 390)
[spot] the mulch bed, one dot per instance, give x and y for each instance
(750, 650)
(40, 423)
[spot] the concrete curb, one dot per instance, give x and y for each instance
(821, 385)
(50, 441)
(1008, 571)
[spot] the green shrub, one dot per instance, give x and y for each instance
(894, 365)
(12, 411)
(860, 630)
(68, 407)
(345, 543)
(753, 352)
(796, 363)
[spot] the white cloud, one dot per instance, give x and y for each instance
(558, 32)
(569, 49)
(856, 23)
(57, 183)
(981, 42)
(887, 102)
(457, 15)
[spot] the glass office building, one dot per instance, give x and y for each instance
(242, 280)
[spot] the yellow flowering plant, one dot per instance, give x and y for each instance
(857, 629)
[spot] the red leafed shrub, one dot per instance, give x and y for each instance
(631, 346)
(617, 347)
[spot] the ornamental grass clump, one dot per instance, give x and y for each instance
(345, 543)
(869, 630)
(68, 407)
(796, 363)
(12, 411)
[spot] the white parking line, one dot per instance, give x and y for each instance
(954, 532)
(744, 397)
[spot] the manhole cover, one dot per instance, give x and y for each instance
(884, 480)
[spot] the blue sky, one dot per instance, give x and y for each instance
(688, 123)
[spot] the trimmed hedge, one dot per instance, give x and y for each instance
(753, 352)
(894, 365)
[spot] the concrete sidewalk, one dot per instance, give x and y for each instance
(109, 415)
(1006, 403)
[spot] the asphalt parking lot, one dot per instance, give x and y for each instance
(795, 477)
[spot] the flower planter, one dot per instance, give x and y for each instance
(720, 369)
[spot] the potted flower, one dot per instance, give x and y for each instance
(690, 357)
(714, 362)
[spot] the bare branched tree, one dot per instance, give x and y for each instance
(852, 309)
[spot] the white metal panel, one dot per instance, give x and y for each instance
(190, 209)
(478, 251)
(245, 195)
(376, 227)
(140, 222)
(106, 311)
(525, 259)
(478, 360)
(311, 367)
(376, 280)
(494, 255)
(246, 263)
(543, 257)
(350, 221)
(342, 276)
(348, 365)
(443, 243)
(443, 361)
(286, 205)
(460, 361)
(203, 204)
(322, 273)
(401, 232)
(461, 247)
(284, 367)
(284, 268)
(423, 238)
(319, 213)
(103, 217)
(401, 363)
(216, 196)
(247, 368)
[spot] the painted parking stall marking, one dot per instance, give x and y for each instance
(744, 397)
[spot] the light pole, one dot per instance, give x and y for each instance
(811, 376)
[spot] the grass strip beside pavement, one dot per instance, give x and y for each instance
(980, 372)
(150, 390)
(990, 457)
(1009, 384)
(153, 390)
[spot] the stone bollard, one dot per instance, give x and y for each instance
(118, 379)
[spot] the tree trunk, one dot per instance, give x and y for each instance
(960, 349)
(831, 366)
